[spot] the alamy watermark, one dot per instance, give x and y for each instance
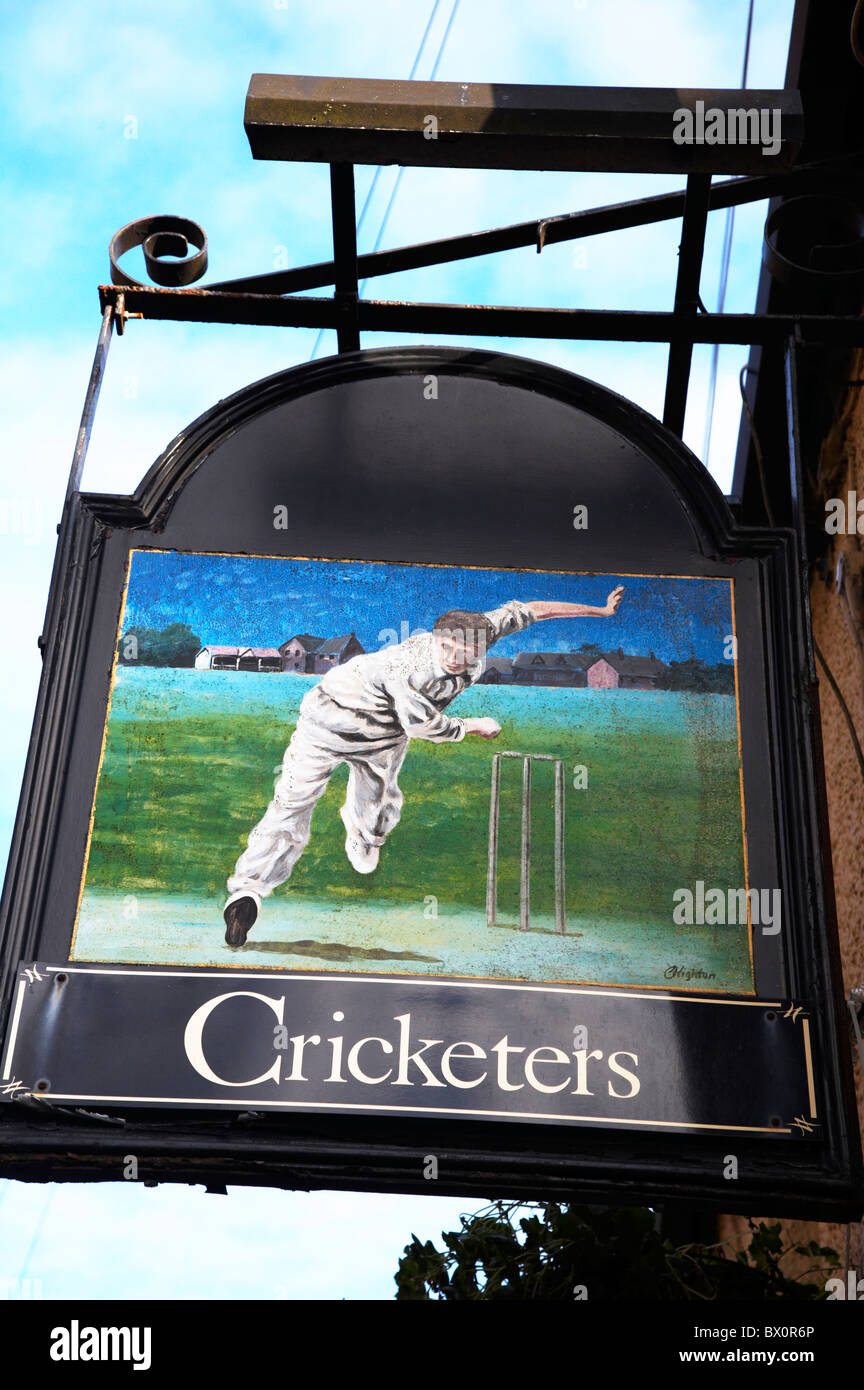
(712, 907)
(845, 516)
(735, 126)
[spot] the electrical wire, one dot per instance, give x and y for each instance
(378, 168)
(398, 180)
(757, 447)
(34, 1240)
(725, 260)
(377, 174)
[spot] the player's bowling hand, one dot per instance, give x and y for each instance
(613, 601)
(485, 727)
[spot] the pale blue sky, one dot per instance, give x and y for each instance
(78, 79)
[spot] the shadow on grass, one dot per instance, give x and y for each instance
(535, 931)
(335, 950)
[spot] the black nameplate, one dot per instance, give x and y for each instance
(596, 1057)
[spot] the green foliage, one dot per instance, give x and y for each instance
(599, 1253)
(174, 645)
(696, 675)
(693, 674)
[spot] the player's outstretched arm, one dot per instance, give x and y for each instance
(484, 728)
(543, 608)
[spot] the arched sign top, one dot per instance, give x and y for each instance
(511, 445)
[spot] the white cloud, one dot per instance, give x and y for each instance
(73, 74)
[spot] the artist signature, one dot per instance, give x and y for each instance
(683, 972)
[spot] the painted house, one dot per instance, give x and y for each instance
(297, 651)
(615, 671)
(334, 652)
(550, 668)
(498, 671)
(605, 671)
(219, 658)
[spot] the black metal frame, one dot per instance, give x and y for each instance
(272, 299)
(38, 1140)
(263, 1150)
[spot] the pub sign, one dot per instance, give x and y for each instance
(427, 763)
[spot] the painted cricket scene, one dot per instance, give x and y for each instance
(410, 769)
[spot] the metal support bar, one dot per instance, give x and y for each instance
(797, 494)
(505, 321)
(543, 231)
(73, 485)
(345, 255)
(91, 400)
(793, 432)
(79, 454)
(686, 297)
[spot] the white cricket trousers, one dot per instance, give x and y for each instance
(373, 799)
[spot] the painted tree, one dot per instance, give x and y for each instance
(174, 645)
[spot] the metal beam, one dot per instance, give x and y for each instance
(541, 232)
(344, 255)
(475, 125)
(503, 321)
(686, 297)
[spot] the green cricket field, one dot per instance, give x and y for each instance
(652, 805)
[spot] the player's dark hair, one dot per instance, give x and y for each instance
(463, 622)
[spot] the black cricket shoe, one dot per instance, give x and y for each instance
(241, 914)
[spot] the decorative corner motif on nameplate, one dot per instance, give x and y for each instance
(31, 973)
(796, 1012)
(14, 1090)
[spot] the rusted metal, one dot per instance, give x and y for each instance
(121, 315)
(480, 125)
(612, 325)
(214, 306)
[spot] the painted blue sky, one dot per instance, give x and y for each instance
(261, 602)
(117, 109)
